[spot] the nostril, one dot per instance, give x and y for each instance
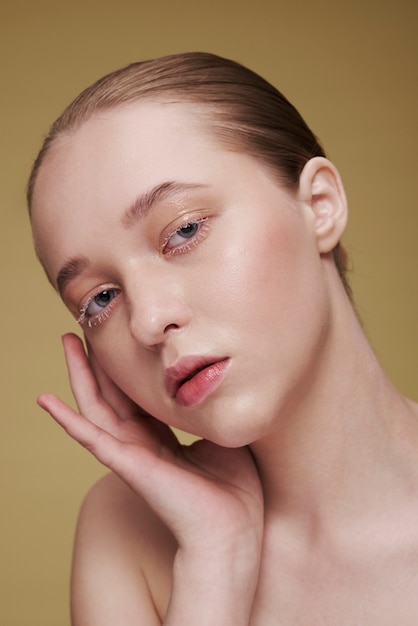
(170, 327)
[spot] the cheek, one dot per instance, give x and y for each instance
(124, 364)
(265, 269)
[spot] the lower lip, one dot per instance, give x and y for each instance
(198, 388)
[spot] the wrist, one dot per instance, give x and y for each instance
(214, 587)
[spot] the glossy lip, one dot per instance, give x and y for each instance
(193, 378)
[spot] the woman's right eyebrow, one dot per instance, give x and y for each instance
(70, 270)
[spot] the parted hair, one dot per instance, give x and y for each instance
(242, 110)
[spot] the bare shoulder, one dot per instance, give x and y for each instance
(123, 559)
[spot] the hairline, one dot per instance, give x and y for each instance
(224, 132)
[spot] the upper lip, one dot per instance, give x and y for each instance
(184, 369)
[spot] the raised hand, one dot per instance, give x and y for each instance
(210, 497)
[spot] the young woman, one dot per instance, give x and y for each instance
(191, 223)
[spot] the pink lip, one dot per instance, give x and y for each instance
(193, 378)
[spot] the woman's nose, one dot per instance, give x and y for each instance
(156, 308)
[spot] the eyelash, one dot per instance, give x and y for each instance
(194, 239)
(97, 318)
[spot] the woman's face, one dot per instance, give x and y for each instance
(196, 278)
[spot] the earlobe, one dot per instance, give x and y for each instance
(320, 188)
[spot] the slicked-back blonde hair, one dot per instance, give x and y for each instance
(244, 112)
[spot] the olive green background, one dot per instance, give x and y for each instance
(349, 66)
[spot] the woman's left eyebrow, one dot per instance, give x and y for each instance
(148, 200)
(140, 208)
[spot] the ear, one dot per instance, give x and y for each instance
(321, 189)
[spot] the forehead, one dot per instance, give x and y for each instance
(95, 172)
(136, 143)
(142, 129)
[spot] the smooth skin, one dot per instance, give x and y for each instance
(299, 505)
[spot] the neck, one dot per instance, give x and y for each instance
(339, 449)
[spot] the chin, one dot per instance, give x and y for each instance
(235, 426)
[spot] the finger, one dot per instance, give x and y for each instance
(123, 422)
(76, 425)
(107, 449)
(166, 481)
(82, 381)
(136, 459)
(84, 386)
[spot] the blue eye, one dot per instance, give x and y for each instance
(185, 236)
(97, 308)
(185, 232)
(188, 230)
(100, 301)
